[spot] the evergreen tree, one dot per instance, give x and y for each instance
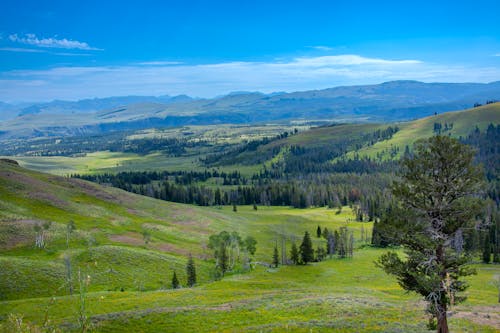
(306, 249)
(190, 272)
(294, 254)
(276, 258)
(486, 249)
(318, 232)
(439, 189)
(175, 281)
(325, 233)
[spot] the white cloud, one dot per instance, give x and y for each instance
(322, 48)
(207, 80)
(32, 39)
(159, 63)
(19, 49)
(347, 60)
(497, 55)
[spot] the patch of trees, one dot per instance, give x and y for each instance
(231, 252)
(114, 142)
(440, 129)
(332, 190)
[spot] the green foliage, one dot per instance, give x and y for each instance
(294, 254)
(439, 187)
(276, 257)
(190, 272)
(486, 255)
(306, 249)
(175, 281)
(251, 245)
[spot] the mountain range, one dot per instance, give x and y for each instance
(390, 101)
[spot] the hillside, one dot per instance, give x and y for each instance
(390, 101)
(110, 224)
(362, 139)
(129, 281)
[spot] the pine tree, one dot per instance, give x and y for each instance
(276, 258)
(318, 232)
(191, 272)
(306, 249)
(439, 190)
(486, 249)
(294, 254)
(175, 281)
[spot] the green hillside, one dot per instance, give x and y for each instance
(110, 224)
(130, 280)
(350, 140)
(462, 122)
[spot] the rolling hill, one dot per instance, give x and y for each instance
(358, 139)
(129, 280)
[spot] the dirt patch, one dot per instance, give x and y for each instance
(129, 239)
(93, 190)
(47, 197)
(484, 315)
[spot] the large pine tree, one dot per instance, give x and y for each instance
(306, 249)
(440, 189)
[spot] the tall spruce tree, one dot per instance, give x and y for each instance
(276, 257)
(190, 272)
(306, 249)
(440, 189)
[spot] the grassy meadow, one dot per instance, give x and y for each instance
(129, 279)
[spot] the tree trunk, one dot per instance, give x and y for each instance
(442, 325)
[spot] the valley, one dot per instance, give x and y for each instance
(275, 182)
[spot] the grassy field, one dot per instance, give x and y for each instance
(130, 280)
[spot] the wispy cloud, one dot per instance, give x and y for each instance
(497, 55)
(207, 80)
(19, 49)
(33, 40)
(322, 48)
(159, 63)
(348, 60)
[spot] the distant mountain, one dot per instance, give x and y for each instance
(97, 104)
(390, 101)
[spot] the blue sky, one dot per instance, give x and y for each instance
(85, 49)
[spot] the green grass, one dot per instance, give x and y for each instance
(348, 295)
(337, 295)
(464, 122)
